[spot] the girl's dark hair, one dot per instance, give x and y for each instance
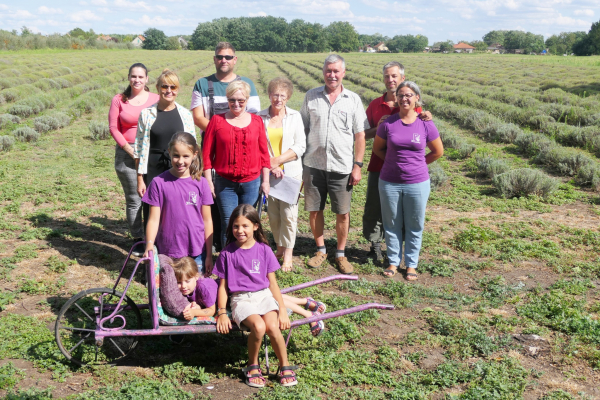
(127, 92)
(188, 140)
(250, 213)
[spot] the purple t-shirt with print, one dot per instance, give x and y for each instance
(405, 155)
(205, 294)
(246, 269)
(181, 228)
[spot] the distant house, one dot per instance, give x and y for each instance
(496, 48)
(370, 49)
(138, 41)
(517, 51)
(463, 47)
(106, 38)
(381, 48)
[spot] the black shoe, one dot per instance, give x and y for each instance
(138, 251)
(375, 252)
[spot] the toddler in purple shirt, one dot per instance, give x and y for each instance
(200, 292)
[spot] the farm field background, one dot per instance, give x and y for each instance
(508, 298)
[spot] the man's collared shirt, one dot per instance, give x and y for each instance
(331, 129)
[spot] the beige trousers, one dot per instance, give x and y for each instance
(283, 218)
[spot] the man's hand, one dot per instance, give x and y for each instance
(426, 116)
(355, 175)
(383, 118)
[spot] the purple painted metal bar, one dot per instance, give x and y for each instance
(194, 329)
(319, 281)
(151, 288)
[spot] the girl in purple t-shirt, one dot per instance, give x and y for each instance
(247, 268)
(180, 220)
(404, 180)
(200, 291)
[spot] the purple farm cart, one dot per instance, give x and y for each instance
(103, 326)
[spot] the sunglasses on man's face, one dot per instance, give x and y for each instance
(220, 57)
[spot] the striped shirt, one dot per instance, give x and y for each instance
(330, 129)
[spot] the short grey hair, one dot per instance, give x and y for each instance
(415, 88)
(394, 64)
(332, 59)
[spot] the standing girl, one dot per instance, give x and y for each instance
(247, 268)
(180, 221)
(123, 116)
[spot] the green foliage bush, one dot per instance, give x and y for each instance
(6, 142)
(491, 166)
(98, 130)
(26, 134)
(51, 122)
(7, 119)
(524, 182)
(437, 176)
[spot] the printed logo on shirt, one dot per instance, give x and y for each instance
(255, 267)
(416, 138)
(192, 199)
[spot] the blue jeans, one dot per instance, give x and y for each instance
(200, 261)
(230, 195)
(403, 205)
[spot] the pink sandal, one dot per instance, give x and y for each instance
(249, 376)
(315, 306)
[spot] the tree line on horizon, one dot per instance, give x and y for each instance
(275, 34)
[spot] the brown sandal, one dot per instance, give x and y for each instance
(317, 260)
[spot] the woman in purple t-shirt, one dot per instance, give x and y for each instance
(404, 180)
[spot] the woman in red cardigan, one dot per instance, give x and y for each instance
(236, 147)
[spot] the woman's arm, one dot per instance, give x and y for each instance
(114, 124)
(223, 322)
(284, 320)
(436, 150)
(208, 240)
(141, 185)
(287, 156)
(152, 228)
(379, 147)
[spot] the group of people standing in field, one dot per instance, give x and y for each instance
(185, 193)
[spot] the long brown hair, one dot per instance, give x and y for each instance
(127, 92)
(188, 140)
(249, 212)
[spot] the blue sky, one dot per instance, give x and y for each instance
(436, 19)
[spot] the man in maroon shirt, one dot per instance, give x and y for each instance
(378, 110)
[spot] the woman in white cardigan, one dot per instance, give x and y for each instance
(287, 142)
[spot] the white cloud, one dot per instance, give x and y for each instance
(565, 21)
(99, 2)
(139, 6)
(46, 10)
(22, 14)
(258, 14)
(3, 7)
(147, 22)
(588, 12)
(85, 15)
(388, 20)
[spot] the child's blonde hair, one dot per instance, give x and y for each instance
(188, 140)
(184, 268)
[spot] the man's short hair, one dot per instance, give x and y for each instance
(394, 64)
(223, 46)
(332, 59)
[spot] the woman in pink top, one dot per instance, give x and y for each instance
(123, 118)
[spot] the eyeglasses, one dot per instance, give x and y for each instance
(279, 96)
(233, 101)
(408, 95)
(228, 58)
(166, 87)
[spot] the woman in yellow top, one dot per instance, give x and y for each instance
(287, 143)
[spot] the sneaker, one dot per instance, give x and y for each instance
(375, 252)
(317, 260)
(138, 251)
(343, 265)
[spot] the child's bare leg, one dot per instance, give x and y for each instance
(271, 321)
(301, 301)
(257, 331)
(292, 304)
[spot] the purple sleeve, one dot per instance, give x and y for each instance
(219, 268)
(208, 289)
(431, 131)
(382, 130)
(152, 195)
(206, 195)
(271, 260)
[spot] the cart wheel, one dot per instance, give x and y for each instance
(77, 322)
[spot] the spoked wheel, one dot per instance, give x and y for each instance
(78, 320)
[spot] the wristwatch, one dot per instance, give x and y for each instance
(360, 164)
